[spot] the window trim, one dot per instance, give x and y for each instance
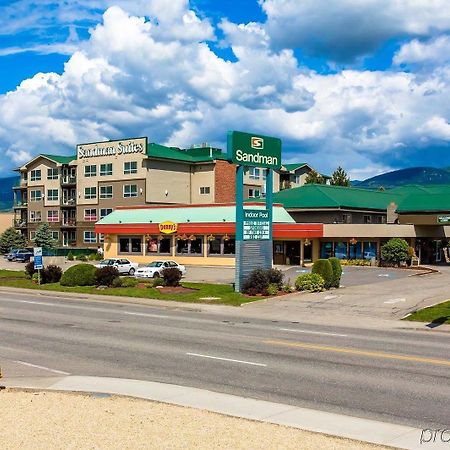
(130, 170)
(90, 217)
(31, 195)
(89, 241)
(52, 177)
(130, 246)
(159, 238)
(106, 173)
(100, 215)
(129, 196)
(53, 220)
(206, 190)
(108, 195)
(35, 177)
(52, 199)
(90, 197)
(90, 174)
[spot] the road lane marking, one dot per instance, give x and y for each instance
(41, 367)
(354, 351)
(395, 300)
(313, 332)
(159, 316)
(227, 359)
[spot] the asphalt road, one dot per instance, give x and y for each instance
(399, 376)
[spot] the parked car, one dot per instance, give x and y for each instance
(20, 255)
(9, 254)
(124, 266)
(155, 269)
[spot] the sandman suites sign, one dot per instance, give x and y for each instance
(246, 149)
(112, 148)
(168, 227)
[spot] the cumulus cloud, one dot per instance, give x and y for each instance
(435, 51)
(345, 29)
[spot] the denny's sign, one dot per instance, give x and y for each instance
(168, 227)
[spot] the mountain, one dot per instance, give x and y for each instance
(6, 192)
(412, 175)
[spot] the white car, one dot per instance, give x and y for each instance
(156, 268)
(124, 266)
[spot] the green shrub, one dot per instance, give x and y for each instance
(129, 282)
(106, 275)
(117, 282)
(337, 272)
(355, 262)
(257, 282)
(272, 289)
(81, 258)
(70, 256)
(275, 276)
(79, 275)
(51, 274)
(312, 282)
(172, 276)
(29, 269)
(157, 282)
(324, 269)
(395, 251)
(35, 278)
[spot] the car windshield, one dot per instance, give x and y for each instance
(155, 264)
(106, 262)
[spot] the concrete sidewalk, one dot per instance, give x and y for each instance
(306, 419)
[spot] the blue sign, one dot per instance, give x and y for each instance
(38, 261)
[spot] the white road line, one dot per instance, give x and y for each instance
(313, 332)
(143, 314)
(41, 367)
(227, 359)
(395, 300)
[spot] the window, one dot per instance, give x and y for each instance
(104, 212)
(159, 245)
(35, 216)
(52, 195)
(367, 219)
(214, 246)
(32, 235)
(35, 175)
(340, 250)
(36, 196)
(89, 237)
(90, 171)
(129, 167)
(381, 219)
(52, 174)
(253, 173)
(264, 174)
(229, 246)
(105, 169)
(101, 238)
(53, 215)
(106, 191)
(326, 250)
(90, 215)
(221, 245)
(90, 193)
(55, 235)
(130, 245)
(193, 246)
(355, 250)
(130, 190)
(346, 218)
(252, 193)
(297, 179)
(205, 190)
(369, 250)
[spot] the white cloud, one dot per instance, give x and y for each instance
(345, 29)
(436, 51)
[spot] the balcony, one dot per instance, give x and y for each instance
(68, 223)
(22, 186)
(20, 223)
(20, 205)
(67, 181)
(69, 202)
(285, 185)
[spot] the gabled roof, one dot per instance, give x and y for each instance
(294, 166)
(321, 196)
(191, 155)
(60, 159)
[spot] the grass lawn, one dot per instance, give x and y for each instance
(437, 314)
(224, 292)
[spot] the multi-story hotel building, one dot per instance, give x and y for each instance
(71, 193)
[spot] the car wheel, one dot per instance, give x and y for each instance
(131, 272)
(156, 275)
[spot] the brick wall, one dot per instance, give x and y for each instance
(225, 182)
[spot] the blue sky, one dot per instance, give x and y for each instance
(360, 83)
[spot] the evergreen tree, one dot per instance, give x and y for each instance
(11, 238)
(340, 178)
(44, 237)
(314, 177)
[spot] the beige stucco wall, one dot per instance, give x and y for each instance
(262, 182)
(202, 176)
(6, 220)
(368, 231)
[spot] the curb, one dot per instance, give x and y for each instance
(365, 430)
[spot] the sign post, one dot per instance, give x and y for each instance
(38, 262)
(253, 226)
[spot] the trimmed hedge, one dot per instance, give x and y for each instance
(312, 282)
(172, 276)
(79, 275)
(324, 269)
(51, 274)
(106, 275)
(337, 272)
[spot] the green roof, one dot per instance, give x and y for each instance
(59, 158)
(425, 203)
(295, 166)
(191, 155)
(185, 214)
(321, 196)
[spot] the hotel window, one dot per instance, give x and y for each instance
(205, 190)
(104, 212)
(297, 179)
(346, 218)
(90, 171)
(55, 235)
(89, 237)
(129, 167)
(90, 193)
(35, 175)
(35, 216)
(106, 191)
(253, 193)
(130, 190)
(52, 195)
(105, 169)
(36, 196)
(52, 174)
(367, 219)
(53, 215)
(130, 245)
(254, 173)
(90, 215)
(101, 238)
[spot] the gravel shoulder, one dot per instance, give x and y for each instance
(52, 420)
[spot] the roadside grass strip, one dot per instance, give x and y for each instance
(435, 315)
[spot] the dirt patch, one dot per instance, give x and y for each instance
(177, 290)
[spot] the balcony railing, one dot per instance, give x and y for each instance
(20, 204)
(20, 223)
(69, 201)
(69, 223)
(68, 180)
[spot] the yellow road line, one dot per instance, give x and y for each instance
(353, 351)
